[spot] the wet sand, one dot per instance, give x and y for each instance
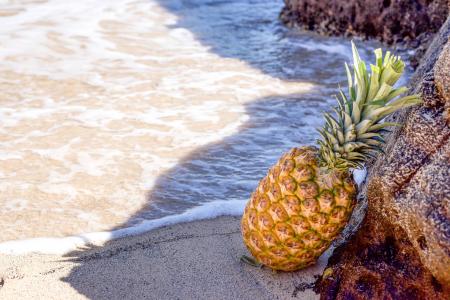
(197, 260)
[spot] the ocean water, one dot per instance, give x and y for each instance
(120, 116)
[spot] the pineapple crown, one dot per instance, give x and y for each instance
(354, 133)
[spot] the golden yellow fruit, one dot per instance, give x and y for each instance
(307, 198)
(296, 211)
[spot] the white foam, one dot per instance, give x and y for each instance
(359, 175)
(90, 165)
(67, 244)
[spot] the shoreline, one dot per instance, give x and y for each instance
(199, 259)
(66, 244)
(63, 245)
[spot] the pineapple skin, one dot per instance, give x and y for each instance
(296, 211)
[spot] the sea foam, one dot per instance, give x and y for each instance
(65, 245)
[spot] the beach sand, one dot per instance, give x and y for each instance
(197, 260)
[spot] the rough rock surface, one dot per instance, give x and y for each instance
(379, 263)
(410, 22)
(389, 20)
(402, 249)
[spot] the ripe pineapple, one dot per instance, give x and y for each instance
(306, 199)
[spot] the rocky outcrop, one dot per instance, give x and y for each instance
(402, 249)
(410, 22)
(389, 20)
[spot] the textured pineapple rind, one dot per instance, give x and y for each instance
(297, 210)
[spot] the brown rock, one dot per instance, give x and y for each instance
(388, 20)
(442, 74)
(402, 250)
(411, 22)
(379, 263)
(442, 79)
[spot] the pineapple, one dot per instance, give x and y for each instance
(307, 197)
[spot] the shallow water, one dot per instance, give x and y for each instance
(115, 112)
